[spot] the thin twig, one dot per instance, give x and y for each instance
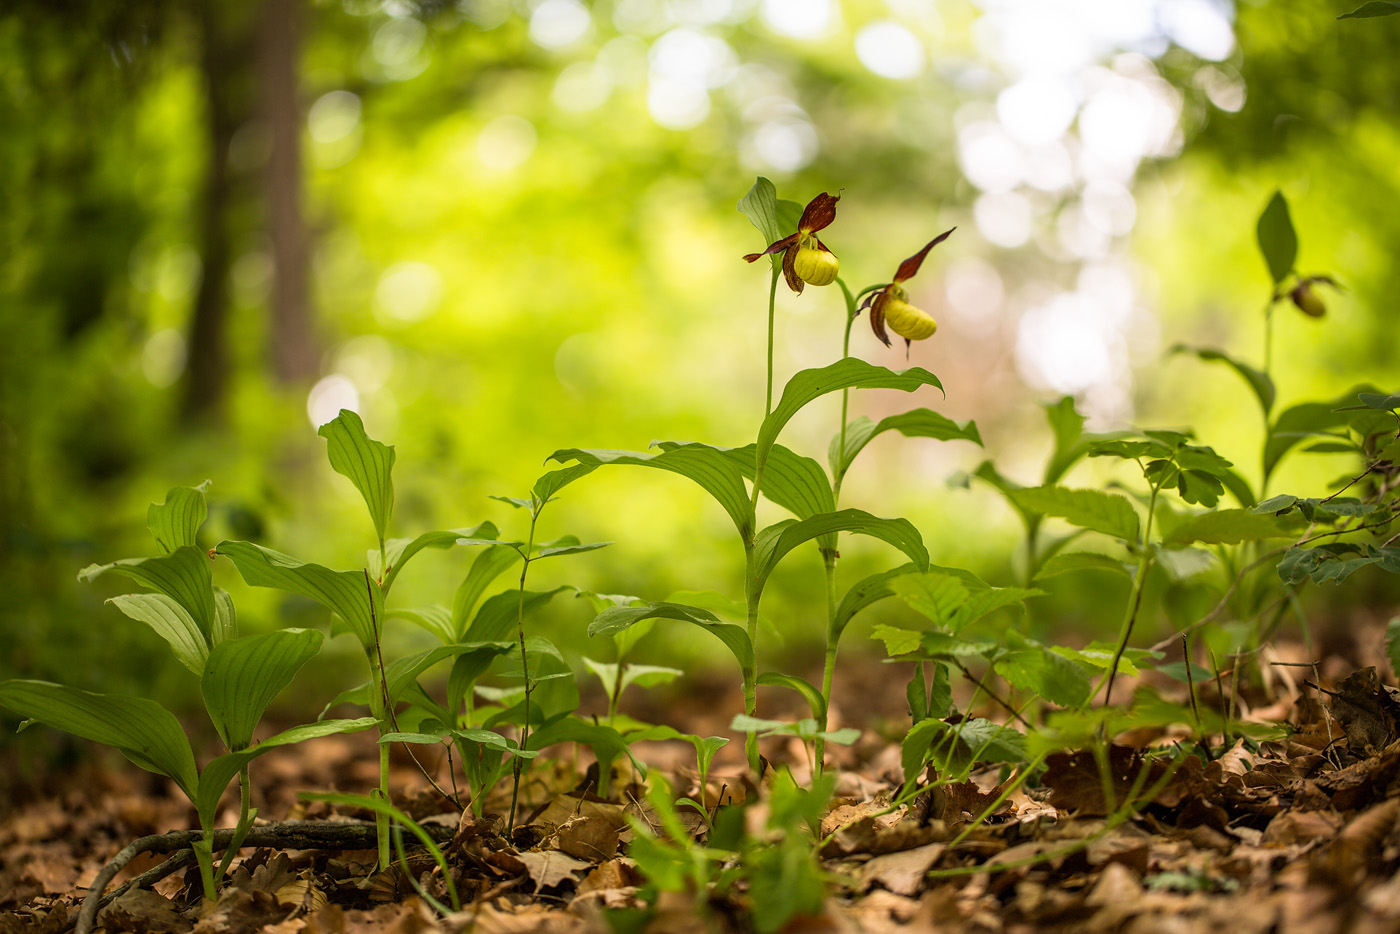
(974, 679)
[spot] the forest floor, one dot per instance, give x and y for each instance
(1300, 835)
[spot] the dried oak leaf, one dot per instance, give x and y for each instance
(141, 911)
(550, 868)
(1367, 712)
(902, 872)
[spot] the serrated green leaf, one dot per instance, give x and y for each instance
(350, 594)
(1088, 509)
(918, 423)
(1100, 655)
(367, 463)
(243, 675)
(847, 373)
(171, 622)
(771, 544)
(954, 748)
(1040, 671)
(707, 466)
(1277, 239)
(183, 575)
(143, 731)
(897, 641)
(175, 522)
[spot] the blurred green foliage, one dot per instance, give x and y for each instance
(509, 254)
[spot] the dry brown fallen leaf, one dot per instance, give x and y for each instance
(902, 872)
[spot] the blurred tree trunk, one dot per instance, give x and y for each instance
(290, 328)
(225, 46)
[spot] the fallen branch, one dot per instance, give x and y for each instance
(286, 835)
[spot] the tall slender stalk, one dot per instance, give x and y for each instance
(518, 764)
(1134, 597)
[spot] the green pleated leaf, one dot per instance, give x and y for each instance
(1277, 239)
(366, 462)
(496, 620)
(774, 542)
(848, 373)
(217, 774)
(171, 622)
(809, 691)
(1258, 381)
(183, 575)
(468, 667)
(435, 618)
(568, 545)
(863, 593)
(709, 467)
(487, 566)
(918, 423)
(398, 551)
(796, 483)
(345, 592)
(1088, 509)
(243, 675)
(735, 637)
(175, 522)
(225, 618)
(760, 206)
(402, 672)
(1303, 422)
(144, 731)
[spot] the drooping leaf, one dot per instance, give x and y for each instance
(802, 686)
(1088, 509)
(434, 618)
(1227, 527)
(398, 551)
(175, 522)
(183, 575)
(1066, 563)
(367, 463)
(734, 636)
(551, 483)
(1258, 381)
(1372, 8)
(605, 741)
(172, 622)
(487, 566)
(771, 544)
(847, 373)
(863, 593)
(1277, 240)
(350, 594)
(403, 671)
(144, 731)
(243, 675)
(707, 466)
(1040, 671)
(918, 423)
(796, 483)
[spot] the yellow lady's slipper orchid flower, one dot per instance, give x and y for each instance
(806, 258)
(890, 305)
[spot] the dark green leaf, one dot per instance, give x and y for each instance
(802, 686)
(734, 636)
(144, 731)
(1040, 671)
(243, 675)
(1374, 400)
(487, 566)
(774, 542)
(546, 486)
(796, 483)
(175, 522)
(1373, 8)
(497, 618)
(402, 672)
(955, 747)
(862, 594)
(398, 551)
(1277, 241)
(1227, 527)
(367, 463)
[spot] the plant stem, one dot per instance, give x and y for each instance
(245, 821)
(772, 304)
(749, 672)
(517, 766)
(379, 697)
(1134, 598)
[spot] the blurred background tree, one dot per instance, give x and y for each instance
(501, 227)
